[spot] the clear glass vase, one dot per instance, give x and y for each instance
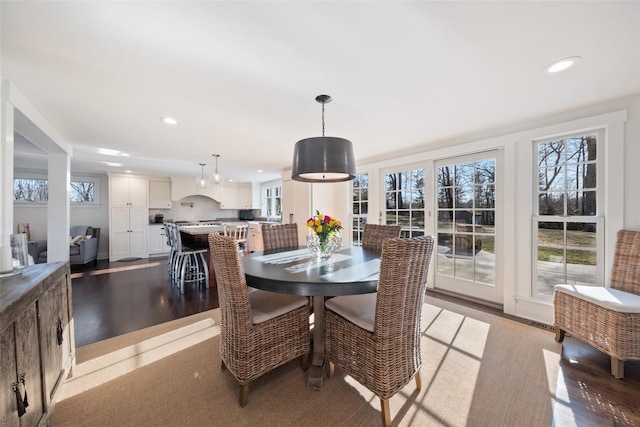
(323, 246)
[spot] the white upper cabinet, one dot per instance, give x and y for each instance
(127, 191)
(159, 194)
(229, 196)
(244, 195)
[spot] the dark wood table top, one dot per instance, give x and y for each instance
(351, 270)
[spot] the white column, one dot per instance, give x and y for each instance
(58, 210)
(6, 184)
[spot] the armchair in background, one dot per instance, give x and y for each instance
(83, 246)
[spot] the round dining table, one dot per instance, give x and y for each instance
(351, 270)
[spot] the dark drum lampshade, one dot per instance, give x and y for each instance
(323, 158)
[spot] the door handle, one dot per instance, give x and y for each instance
(59, 332)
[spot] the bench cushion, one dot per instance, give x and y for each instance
(612, 299)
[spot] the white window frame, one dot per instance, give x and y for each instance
(361, 218)
(276, 188)
(598, 218)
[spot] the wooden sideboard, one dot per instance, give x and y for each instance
(36, 342)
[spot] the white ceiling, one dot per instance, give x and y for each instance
(241, 77)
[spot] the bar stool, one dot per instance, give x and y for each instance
(171, 261)
(239, 234)
(190, 265)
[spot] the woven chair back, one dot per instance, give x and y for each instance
(279, 236)
(373, 235)
(625, 273)
(235, 310)
(403, 278)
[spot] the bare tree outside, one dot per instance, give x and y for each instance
(567, 207)
(466, 220)
(81, 192)
(30, 190)
(404, 201)
(37, 191)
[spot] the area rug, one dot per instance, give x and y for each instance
(478, 370)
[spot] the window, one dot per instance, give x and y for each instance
(82, 192)
(30, 190)
(404, 201)
(360, 205)
(271, 200)
(36, 190)
(567, 226)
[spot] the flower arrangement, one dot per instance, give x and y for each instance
(324, 226)
(326, 238)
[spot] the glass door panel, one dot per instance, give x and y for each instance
(466, 225)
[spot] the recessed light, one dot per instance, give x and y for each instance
(562, 64)
(169, 120)
(259, 171)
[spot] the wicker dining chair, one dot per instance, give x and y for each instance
(374, 234)
(375, 338)
(259, 330)
(279, 236)
(607, 318)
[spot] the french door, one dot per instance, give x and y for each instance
(467, 201)
(404, 196)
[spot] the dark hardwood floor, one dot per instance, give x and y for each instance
(119, 297)
(114, 298)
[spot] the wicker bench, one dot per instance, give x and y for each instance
(608, 318)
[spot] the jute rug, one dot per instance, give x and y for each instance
(478, 370)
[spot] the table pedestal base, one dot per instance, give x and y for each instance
(316, 370)
(316, 375)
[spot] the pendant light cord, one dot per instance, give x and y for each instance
(323, 119)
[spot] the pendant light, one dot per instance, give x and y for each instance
(216, 174)
(201, 180)
(323, 158)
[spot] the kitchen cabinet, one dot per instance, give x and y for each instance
(254, 237)
(36, 338)
(245, 196)
(128, 217)
(158, 240)
(256, 195)
(128, 233)
(229, 196)
(239, 195)
(159, 194)
(127, 191)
